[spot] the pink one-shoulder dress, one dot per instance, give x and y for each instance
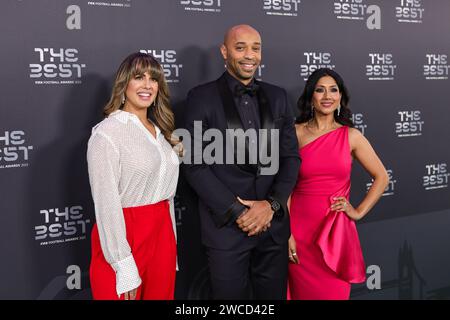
(328, 245)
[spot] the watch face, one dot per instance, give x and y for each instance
(275, 206)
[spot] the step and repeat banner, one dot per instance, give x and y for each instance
(58, 60)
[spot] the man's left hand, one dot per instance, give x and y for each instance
(258, 217)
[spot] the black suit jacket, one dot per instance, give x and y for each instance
(218, 184)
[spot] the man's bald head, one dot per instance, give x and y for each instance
(241, 50)
(235, 31)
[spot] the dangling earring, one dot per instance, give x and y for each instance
(123, 99)
(339, 110)
(312, 110)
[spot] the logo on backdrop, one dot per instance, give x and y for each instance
(358, 10)
(436, 176)
(61, 225)
(168, 61)
(410, 124)
(358, 121)
(114, 4)
(436, 67)
(56, 66)
(14, 150)
(314, 61)
(287, 8)
(381, 66)
(389, 191)
(180, 209)
(209, 6)
(409, 11)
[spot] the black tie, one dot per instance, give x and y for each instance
(251, 89)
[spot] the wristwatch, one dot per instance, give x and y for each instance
(274, 204)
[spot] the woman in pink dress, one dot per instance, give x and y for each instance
(324, 248)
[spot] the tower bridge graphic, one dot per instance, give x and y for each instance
(410, 284)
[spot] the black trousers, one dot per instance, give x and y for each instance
(259, 272)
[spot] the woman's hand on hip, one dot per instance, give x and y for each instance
(341, 204)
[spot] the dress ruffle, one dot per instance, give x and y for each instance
(339, 242)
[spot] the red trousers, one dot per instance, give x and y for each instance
(152, 241)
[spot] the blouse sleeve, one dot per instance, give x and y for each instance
(104, 176)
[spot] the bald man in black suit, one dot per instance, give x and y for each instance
(243, 205)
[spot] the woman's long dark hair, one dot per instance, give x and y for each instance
(304, 102)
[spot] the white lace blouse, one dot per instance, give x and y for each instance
(128, 167)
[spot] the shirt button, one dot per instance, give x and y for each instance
(249, 122)
(245, 102)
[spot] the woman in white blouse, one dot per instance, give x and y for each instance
(133, 173)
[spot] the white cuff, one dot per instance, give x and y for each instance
(127, 275)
